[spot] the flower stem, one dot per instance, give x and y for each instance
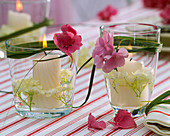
(90, 86)
(84, 64)
(45, 22)
(6, 92)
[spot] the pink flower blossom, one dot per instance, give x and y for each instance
(68, 41)
(156, 3)
(104, 46)
(124, 120)
(165, 14)
(117, 60)
(105, 56)
(106, 13)
(162, 3)
(92, 123)
(149, 3)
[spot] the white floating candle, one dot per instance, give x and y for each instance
(47, 72)
(130, 78)
(131, 66)
(42, 101)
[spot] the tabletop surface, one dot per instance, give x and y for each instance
(75, 123)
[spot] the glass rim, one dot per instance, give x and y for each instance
(35, 50)
(155, 28)
(24, 48)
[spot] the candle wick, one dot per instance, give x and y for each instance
(131, 59)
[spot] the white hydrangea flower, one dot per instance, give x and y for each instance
(65, 75)
(137, 80)
(31, 85)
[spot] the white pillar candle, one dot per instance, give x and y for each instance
(46, 102)
(126, 98)
(131, 66)
(125, 95)
(17, 20)
(47, 72)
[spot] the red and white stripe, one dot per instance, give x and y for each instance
(75, 123)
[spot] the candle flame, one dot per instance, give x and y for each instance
(130, 47)
(19, 6)
(44, 42)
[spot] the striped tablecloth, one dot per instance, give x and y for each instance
(75, 123)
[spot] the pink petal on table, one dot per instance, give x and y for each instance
(123, 119)
(92, 123)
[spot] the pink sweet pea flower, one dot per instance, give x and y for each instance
(165, 14)
(117, 60)
(124, 120)
(105, 56)
(107, 13)
(92, 123)
(104, 46)
(68, 41)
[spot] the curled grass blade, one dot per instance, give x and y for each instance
(90, 86)
(45, 22)
(158, 100)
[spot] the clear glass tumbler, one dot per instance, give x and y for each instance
(129, 87)
(43, 84)
(19, 14)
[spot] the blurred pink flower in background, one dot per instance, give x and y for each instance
(122, 119)
(162, 3)
(149, 3)
(106, 13)
(156, 3)
(165, 14)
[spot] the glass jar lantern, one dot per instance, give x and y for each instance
(43, 83)
(129, 87)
